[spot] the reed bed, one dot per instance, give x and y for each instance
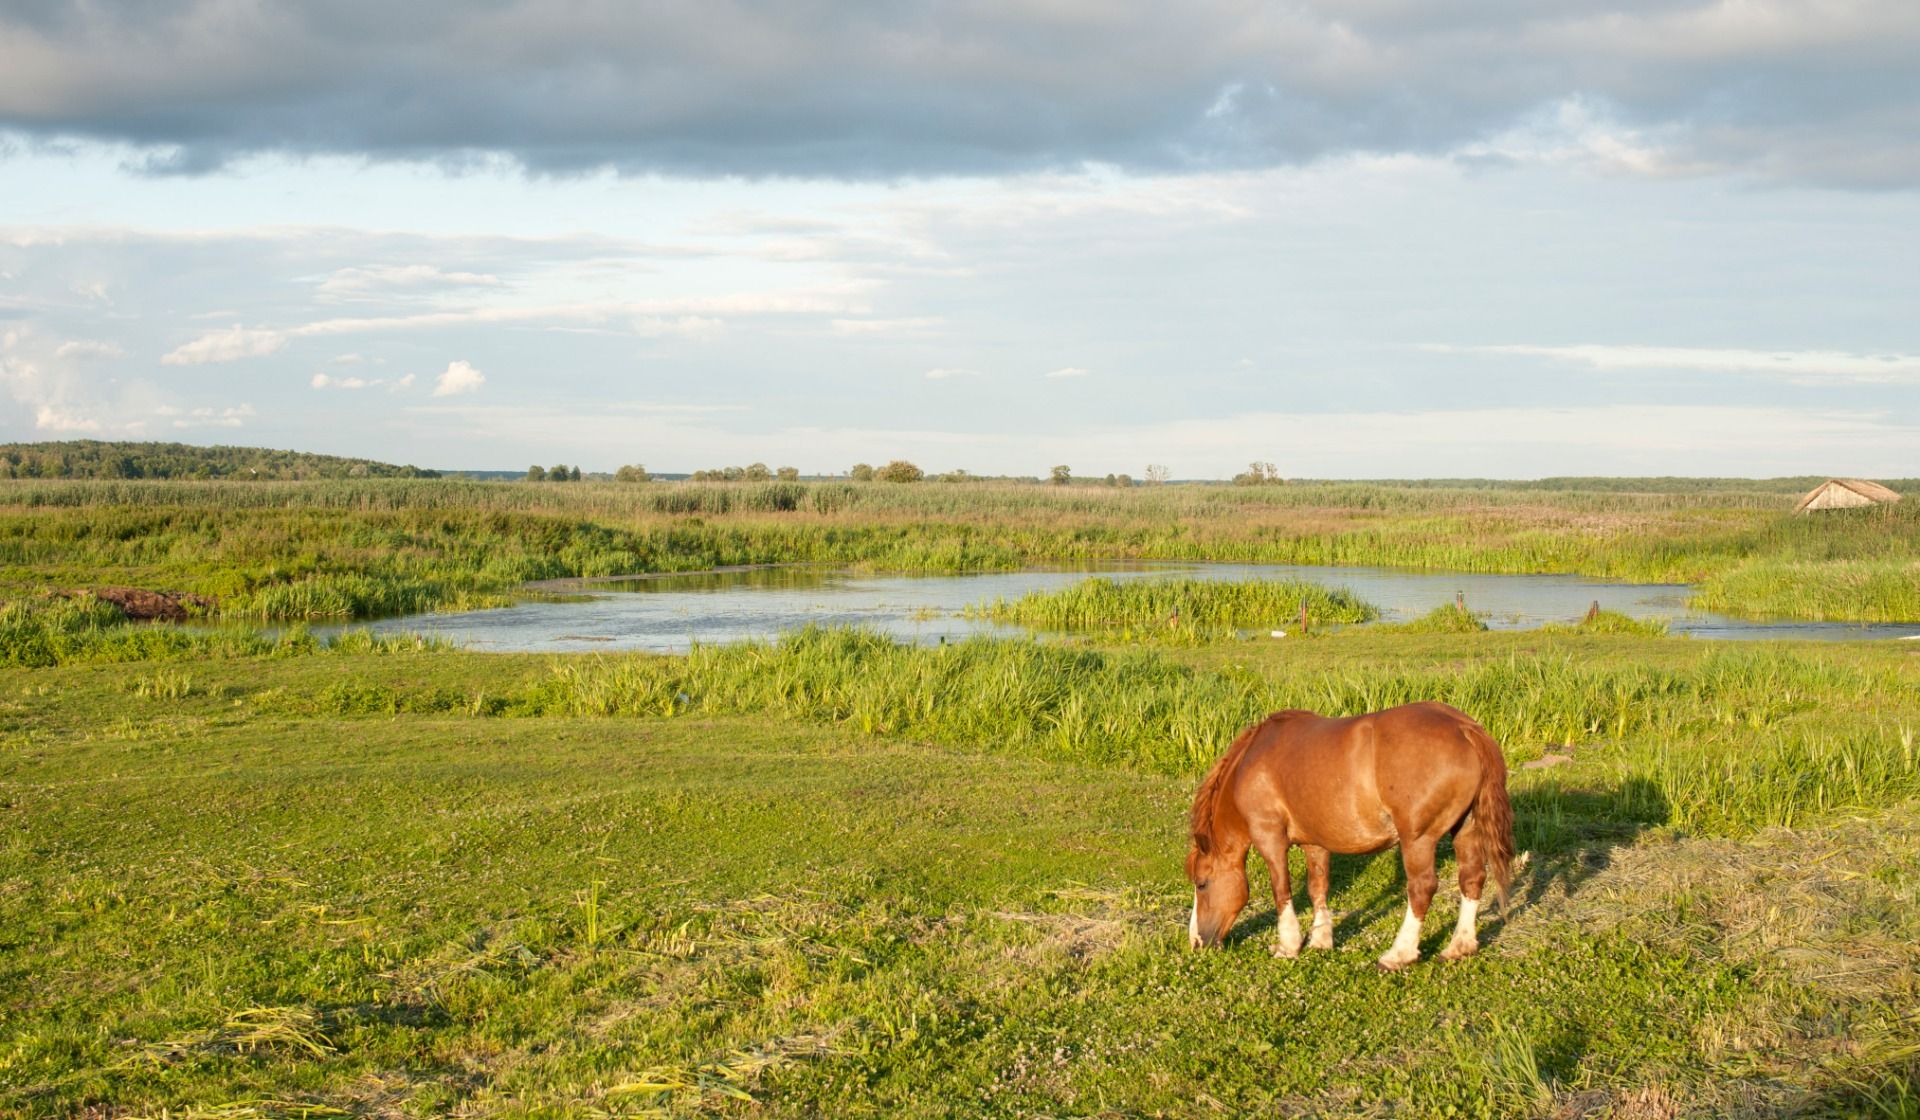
(83, 630)
(1808, 775)
(1178, 609)
(1875, 590)
(1674, 727)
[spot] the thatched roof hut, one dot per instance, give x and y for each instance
(1845, 493)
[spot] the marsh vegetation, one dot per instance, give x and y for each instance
(365, 549)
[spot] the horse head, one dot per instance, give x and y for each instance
(1219, 877)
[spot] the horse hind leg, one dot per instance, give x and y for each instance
(1317, 875)
(1416, 854)
(1469, 850)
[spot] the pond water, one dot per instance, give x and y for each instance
(669, 613)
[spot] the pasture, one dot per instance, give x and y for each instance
(254, 874)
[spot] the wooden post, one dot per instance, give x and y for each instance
(1593, 612)
(1303, 616)
(1460, 600)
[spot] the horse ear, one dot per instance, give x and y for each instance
(1203, 843)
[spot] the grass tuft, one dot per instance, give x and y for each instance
(1448, 619)
(1180, 610)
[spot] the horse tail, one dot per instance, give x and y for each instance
(1492, 812)
(1204, 801)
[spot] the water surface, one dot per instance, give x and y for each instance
(668, 614)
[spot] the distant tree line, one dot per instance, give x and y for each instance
(87, 458)
(755, 472)
(1259, 474)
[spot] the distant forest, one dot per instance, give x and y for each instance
(88, 458)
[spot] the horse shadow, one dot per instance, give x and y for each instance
(1566, 835)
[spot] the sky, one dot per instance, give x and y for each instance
(1360, 239)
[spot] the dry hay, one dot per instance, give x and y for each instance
(1096, 923)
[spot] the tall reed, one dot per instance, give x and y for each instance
(1136, 709)
(1183, 607)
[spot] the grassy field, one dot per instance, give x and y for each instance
(250, 873)
(362, 549)
(837, 877)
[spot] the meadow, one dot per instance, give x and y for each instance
(837, 876)
(253, 873)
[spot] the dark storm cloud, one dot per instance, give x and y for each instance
(1797, 90)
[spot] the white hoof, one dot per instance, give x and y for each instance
(1288, 945)
(1322, 933)
(1460, 947)
(1406, 945)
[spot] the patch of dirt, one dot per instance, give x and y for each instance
(1651, 1103)
(1099, 923)
(142, 605)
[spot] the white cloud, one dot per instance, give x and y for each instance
(1807, 366)
(328, 381)
(51, 418)
(863, 328)
(646, 318)
(88, 349)
(1067, 371)
(457, 378)
(945, 373)
(676, 326)
(232, 417)
(48, 383)
(379, 281)
(229, 345)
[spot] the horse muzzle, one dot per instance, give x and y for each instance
(1202, 933)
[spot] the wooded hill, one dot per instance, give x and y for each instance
(86, 458)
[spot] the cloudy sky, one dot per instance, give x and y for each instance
(1369, 238)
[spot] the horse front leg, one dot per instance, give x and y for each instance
(1318, 869)
(1275, 853)
(1416, 854)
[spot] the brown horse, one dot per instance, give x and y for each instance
(1407, 776)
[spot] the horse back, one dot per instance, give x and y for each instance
(1358, 783)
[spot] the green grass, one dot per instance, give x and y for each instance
(41, 632)
(229, 901)
(1450, 618)
(1613, 622)
(1732, 740)
(1188, 610)
(355, 549)
(1879, 590)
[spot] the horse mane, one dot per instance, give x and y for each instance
(1215, 783)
